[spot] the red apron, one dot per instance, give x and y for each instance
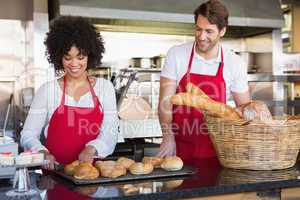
(70, 128)
(60, 191)
(189, 127)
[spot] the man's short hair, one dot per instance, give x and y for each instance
(214, 11)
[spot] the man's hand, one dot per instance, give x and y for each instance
(167, 90)
(168, 146)
(87, 154)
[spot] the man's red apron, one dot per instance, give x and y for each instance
(189, 127)
(70, 128)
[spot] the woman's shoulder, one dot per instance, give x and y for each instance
(103, 86)
(48, 85)
(103, 82)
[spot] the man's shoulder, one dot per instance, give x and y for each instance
(184, 47)
(230, 55)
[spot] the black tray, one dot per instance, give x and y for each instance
(157, 173)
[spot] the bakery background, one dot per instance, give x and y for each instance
(135, 51)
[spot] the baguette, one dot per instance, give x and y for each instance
(203, 102)
(193, 89)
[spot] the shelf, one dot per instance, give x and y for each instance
(141, 70)
(265, 77)
(8, 79)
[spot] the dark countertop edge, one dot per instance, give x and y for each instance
(211, 191)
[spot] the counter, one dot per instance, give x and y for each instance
(211, 179)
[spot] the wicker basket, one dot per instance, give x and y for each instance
(255, 145)
(236, 176)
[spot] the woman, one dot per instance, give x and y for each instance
(78, 111)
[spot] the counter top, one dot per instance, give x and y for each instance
(211, 179)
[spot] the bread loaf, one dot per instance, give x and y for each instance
(194, 89)
(203, 102)
(195, 97)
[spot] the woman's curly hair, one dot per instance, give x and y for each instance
(68, 31)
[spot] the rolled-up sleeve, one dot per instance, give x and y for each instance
(106, 141)
(35, 121)
(239, 78)
(169, 68)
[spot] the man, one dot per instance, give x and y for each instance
(216, 70)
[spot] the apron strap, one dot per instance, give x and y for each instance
(191, 59)
(64, 91)
(221, 65)
(94, 96)
(190, 63)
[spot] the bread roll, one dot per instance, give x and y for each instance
(70, 168)
(140, 168)
(105, 164)
(125, 162)
(255, 110)
(155, 161)
(86, 171)
(202, 102)
(115, 172)
(110, 169)
(172, 163)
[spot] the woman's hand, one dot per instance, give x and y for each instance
(51, 158)
(168, 146)
(87, 154)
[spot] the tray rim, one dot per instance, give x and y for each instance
(185, 171)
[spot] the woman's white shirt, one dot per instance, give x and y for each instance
(48, 98)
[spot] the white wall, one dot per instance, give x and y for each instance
(120, 46)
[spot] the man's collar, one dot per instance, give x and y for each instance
(217, 59)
